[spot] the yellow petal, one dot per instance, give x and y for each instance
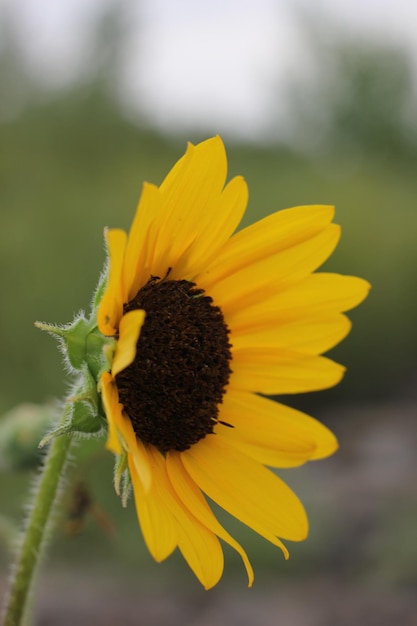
(191, 496)
(318, 294)
(110, 398)
(137, 452)
(120, 430)
(311, 336)
(277, 232)
(129, 331)
(246, 489)
(111, 306)
(272, 433)
(202, 551)
(217, 225)
(206, 159)
(273, 372)
(187, 195)
(141, 242)
(262, 279)
(198, 545)
(156, 522)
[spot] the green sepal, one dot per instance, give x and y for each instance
(99, 352)
(75, 342)
(120, 467)
(60, 430)
(88, 353)
(85, 391)
(81, 420)
(126, 488)
(100, 289)
(84, 421)
(82, 343)
(122, 480)
(72, 339)
(86, 412)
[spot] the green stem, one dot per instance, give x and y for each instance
(34, 536)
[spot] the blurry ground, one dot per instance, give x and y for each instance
(320, 602)
(359, 565)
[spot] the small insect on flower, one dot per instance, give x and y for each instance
(235, 318)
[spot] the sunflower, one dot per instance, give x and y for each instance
(207, 323)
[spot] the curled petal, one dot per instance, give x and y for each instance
(129, 331)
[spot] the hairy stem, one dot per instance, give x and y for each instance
(34, 536)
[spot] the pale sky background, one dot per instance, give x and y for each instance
(217, 66)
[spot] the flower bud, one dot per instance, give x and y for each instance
(21, 429)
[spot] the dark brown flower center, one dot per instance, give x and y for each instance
(172, 390)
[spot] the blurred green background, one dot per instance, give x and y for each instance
(72, 162)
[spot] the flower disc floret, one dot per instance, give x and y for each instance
(172, 389)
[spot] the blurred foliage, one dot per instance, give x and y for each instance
(21, 430)
(358, 93)
(374, 101)
(71, 163)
